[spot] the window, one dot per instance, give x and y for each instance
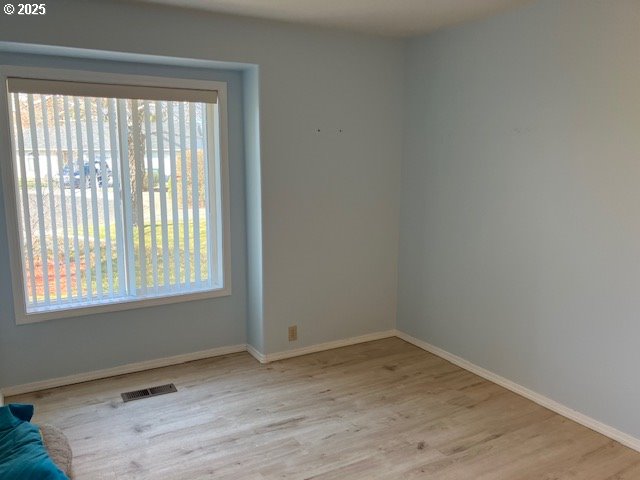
(119, 194)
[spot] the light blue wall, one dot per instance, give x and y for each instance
(63, 347)
(329, 201)
(520, 217)
(255, 280)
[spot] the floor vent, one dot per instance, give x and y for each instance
(148, 392)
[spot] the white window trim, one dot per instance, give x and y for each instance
(10, 195)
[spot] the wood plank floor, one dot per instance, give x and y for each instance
(379, 410)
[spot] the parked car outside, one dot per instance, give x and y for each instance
(74, 180)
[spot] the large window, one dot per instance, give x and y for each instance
(118, 194)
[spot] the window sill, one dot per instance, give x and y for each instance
(118, 305)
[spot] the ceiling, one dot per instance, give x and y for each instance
(401, 18)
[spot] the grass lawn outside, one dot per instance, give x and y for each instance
(153, 270)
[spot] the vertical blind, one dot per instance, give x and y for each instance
(116, 193)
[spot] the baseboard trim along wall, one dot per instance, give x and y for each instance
(187, 357)
(120, 370)
(320, 347)
(582, 419)
(255, 353)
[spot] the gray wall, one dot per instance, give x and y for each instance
(520, 210)
(329, 201)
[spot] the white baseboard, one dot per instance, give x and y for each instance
(187, 357)
(582, 419)
(120, 370)
(320, 347)
(253, 351)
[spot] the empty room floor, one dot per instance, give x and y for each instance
(378, 410)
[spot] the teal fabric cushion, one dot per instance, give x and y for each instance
(22, 453)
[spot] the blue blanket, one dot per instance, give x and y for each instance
(22, 453)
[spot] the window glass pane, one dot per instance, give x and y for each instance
(116, 198)
(68, 206)
(169, 178)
